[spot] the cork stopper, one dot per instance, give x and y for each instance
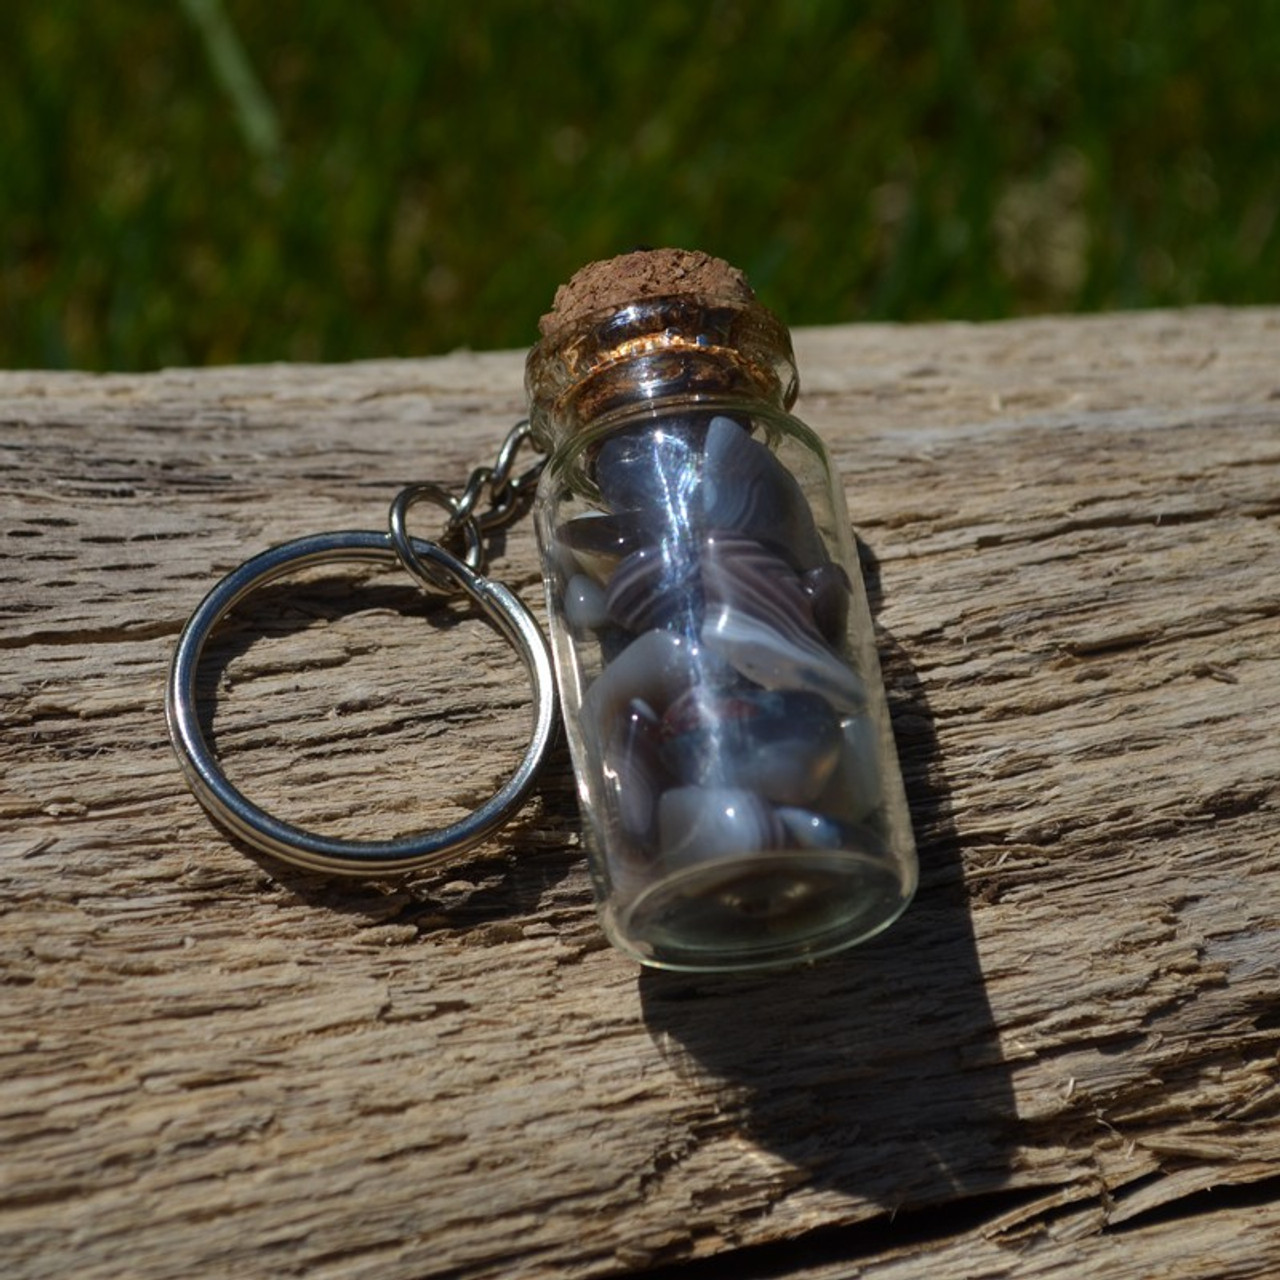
(633, 277)
(655, 325)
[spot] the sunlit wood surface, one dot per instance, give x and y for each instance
(1062, 1061)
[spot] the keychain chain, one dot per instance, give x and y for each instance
(508, 497)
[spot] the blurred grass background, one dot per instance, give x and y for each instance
(197, 181)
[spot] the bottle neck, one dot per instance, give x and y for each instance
(677, 349)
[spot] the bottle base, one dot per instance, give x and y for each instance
(760, 911)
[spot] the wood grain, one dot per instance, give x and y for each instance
(1063, 1060)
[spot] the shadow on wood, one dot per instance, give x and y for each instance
(878, 1073)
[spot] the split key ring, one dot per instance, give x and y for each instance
(229, 806)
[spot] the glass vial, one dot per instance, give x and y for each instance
(715, 652)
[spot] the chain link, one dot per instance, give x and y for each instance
(508, 496)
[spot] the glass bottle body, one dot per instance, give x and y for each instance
(719, 682)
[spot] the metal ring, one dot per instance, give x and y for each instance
(324, 853)
(428, 575)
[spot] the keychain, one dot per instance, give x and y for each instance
(713, 649)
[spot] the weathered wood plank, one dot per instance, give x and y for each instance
(217, 1066)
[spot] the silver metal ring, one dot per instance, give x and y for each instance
(428, 575)
(324, 853)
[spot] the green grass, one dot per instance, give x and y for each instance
(323, 180)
